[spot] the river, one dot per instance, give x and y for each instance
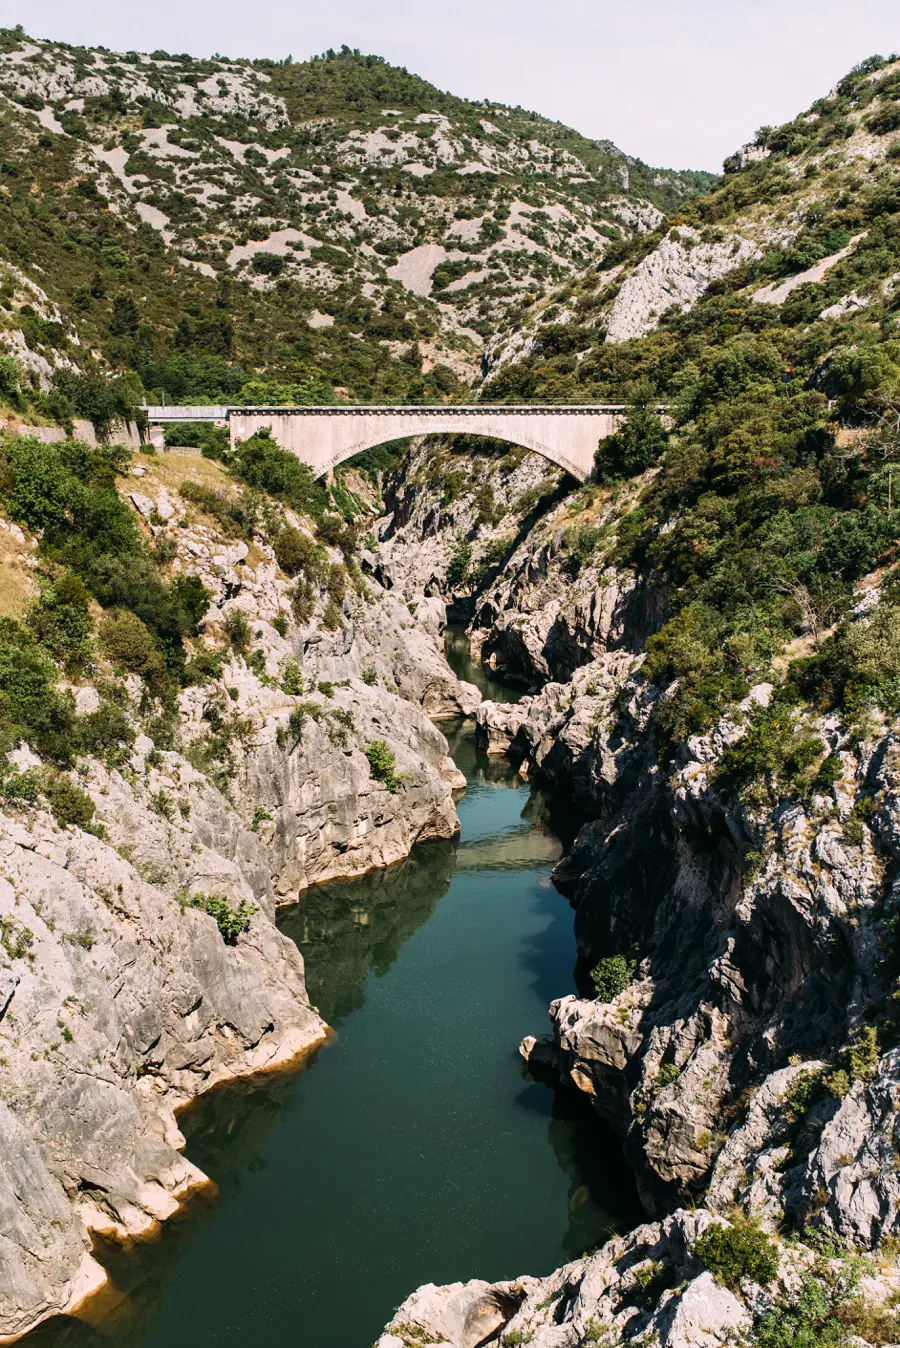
(413, 1148)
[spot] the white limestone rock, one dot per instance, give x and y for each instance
(676, 273)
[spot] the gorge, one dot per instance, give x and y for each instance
(285, 860)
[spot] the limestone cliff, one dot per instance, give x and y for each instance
(754, 934)
(140, 963)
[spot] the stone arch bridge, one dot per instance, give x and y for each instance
(324, 437)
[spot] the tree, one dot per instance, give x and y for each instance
(458, 566)
(126, 317)
(636, 445)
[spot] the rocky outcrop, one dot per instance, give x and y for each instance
(118, 1005)
(676, 273)
(557, 604)
(559, 733)
(444, 497)
(648, 1287)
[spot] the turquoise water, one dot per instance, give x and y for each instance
(413, 1149)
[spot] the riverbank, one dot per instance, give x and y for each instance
(413, 1147)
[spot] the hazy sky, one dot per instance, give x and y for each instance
(680, 83)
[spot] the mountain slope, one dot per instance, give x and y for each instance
(200, 222)
(711, 633)
(800, 216)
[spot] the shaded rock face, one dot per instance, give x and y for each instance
(735, 973)
(427, 520)
(118, 1006)
(545, 616)
(713, 1061)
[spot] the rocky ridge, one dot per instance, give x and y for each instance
(760, 222)
(381, 203)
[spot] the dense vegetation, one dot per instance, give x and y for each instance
(92, 553)
(775, 493)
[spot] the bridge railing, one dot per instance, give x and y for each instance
(194, 413)
(161, 414)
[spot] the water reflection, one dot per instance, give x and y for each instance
(456, 646)
(348, 928)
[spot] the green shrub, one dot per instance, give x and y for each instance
(826, 1312)
(161, 803)
(205, 664)
(862, 1054)
(298, 717)
(802, 1094)
(332, 617)
(292, 681)
(732, 1253)
(106, 734)
(336, 584)
(31, 707)
(775, 746)
(303, 600)
(639, 442)
(213, 441)
(231, 919)
(237, 629)
(15, 937)
(383, 765)
(268, 264)
(127, 642)
(584, 545)
(342, 722)
(61, 621)
(9, 379)
(370, 676)
(69, 804)
(297, 554)
(459, 563)
(19, 788)
(260, 462)
(858, 665)
(611, 976)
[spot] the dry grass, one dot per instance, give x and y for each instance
(170, 470)
(17, 585)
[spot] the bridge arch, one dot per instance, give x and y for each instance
(371, 440)
(325, 437)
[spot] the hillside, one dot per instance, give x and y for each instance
(801, 223)
(709, 633)
(204, 224)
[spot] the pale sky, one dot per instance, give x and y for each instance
(679, 83)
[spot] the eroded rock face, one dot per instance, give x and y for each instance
(676, 273)
(419, 535)
(118, 1006)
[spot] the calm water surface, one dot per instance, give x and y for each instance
(413, 1149)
